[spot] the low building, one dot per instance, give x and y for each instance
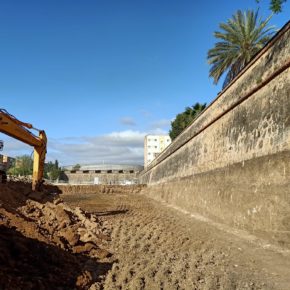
(154, 145)
(101, 174)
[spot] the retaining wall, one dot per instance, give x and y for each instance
(91, 189)
(103, 178)
(233, 163)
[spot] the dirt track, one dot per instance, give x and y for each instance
(156, 247)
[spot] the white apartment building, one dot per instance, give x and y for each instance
(153, 145)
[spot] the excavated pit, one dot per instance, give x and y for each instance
(116, 238)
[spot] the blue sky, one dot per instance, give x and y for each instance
(99, 75)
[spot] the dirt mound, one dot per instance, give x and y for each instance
(40, 236)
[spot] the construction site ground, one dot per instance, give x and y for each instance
(124, 241)
(158, 247)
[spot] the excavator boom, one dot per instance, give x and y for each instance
(9, 125)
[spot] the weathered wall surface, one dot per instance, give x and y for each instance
(103, 178)
(118, 174)
(92, 189)
(233, 163)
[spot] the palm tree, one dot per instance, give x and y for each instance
(242, 37)
(275, 5)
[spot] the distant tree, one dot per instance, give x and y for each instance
(47, 168)
(22, 166)
(275, 5)
(52, 170)
(242, 37)
(184, 119)
(55, 173)
(11, 164)
(76, 167)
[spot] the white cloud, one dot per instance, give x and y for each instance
(128, 121)
(158, 131)
(14, 147)
(145, 113)
(161, 124)
(125, 147)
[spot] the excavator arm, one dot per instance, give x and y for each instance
(9, 125)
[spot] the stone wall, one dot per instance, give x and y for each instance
(92, 189)
(103, 178)
(118, 174)
(233, 163)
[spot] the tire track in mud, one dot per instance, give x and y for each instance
(157, 247)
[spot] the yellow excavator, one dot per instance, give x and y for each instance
(14, 128)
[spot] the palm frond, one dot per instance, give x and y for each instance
(240, 38)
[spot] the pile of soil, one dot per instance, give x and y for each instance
(46, 244)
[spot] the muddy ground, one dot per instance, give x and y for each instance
(157, 247)
(124, 241)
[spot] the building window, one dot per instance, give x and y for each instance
(97, 171)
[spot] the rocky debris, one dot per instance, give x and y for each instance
(23, 179)
(71, 229)
(46, 233)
